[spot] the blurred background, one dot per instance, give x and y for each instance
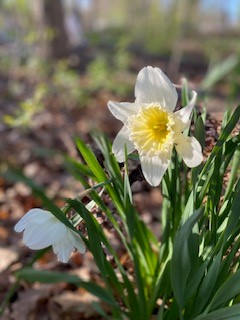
(60, 64)
(62, 61)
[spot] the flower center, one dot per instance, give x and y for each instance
(151, 130)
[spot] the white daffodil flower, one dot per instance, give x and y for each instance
(42, 229)
(151, 127)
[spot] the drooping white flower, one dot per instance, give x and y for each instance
(151, 127)
(41, 229)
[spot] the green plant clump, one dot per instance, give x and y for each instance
(191, 271)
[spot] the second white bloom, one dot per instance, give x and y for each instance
(151, 127)
(41, 229)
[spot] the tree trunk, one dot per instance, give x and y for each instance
(49, 16)
(54, 20)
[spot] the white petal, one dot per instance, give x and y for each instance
(153, 169)
(63, 250)
(36, 237)
(123, 110)
(66, 246)
(185, 113)
(153, 85)
(190, 150)
(56, 247)
(35, 215)
(76, 241)
(118, 147)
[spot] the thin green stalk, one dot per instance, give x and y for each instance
(10, 293)
(157, 285)
(234, 173)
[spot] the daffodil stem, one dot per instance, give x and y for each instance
(171, 208)
(84, 193)
(175, 195)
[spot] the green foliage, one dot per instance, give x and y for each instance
(107, 71)
(23, 116)
(31, 275)
(58, 84)
(220, 71)
(67, 85)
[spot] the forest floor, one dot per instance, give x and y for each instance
(36, 151)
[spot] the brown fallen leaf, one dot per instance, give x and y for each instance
(4, 234)
(8, 256)
(33, 304)
(73, 305)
